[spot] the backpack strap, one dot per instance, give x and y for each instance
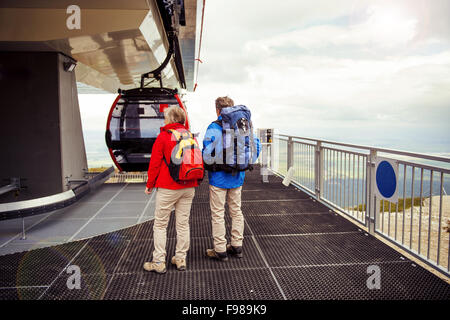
(181, 135)
(177, 136)
(165, 161)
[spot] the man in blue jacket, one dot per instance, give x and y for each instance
(224, 186)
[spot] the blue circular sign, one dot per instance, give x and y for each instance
(386, 179)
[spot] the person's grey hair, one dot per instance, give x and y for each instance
(174, 114)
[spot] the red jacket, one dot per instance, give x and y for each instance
(158, 171)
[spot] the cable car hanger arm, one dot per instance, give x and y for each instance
(157, 72)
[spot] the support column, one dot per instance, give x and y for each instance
(41, 137)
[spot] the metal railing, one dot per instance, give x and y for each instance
(342, 176)
(25, 208)
(14, 185)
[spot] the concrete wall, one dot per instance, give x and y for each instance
(40, 130)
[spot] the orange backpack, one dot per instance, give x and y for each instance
(186, 162)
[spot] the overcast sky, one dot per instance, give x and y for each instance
(369, 72)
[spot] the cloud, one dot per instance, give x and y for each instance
(330, 69)
(358, 71)
(94, 110)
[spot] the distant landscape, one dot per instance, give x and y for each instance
(96, 150)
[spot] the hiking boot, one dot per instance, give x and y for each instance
(235, 251)
(211, 253)
(180, 263)
(158, 267)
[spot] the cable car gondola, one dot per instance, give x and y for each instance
(134, 122)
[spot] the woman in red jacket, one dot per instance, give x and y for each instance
(169, 194)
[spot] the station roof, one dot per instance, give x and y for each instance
(117, 40)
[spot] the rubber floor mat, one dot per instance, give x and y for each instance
(397, 281)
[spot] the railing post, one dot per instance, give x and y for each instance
(271, 155)
(265, 137)
(371, 211)
(24, 236)
(290, 153)
(264, 161)
(318, 172)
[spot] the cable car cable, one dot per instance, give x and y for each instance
(200, 45)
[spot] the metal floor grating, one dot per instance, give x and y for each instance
(101, 256)
(199, 227)
(324, 249)
(291, 224)
(294, 248)
(36, 267)
(399, 281)
(271, 207)
(27, 293)
(237, 284)
(93, 287)
(272, 194)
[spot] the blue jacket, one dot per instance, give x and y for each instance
(223, 179)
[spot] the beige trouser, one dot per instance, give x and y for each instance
(166, 199)
(217, 197)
